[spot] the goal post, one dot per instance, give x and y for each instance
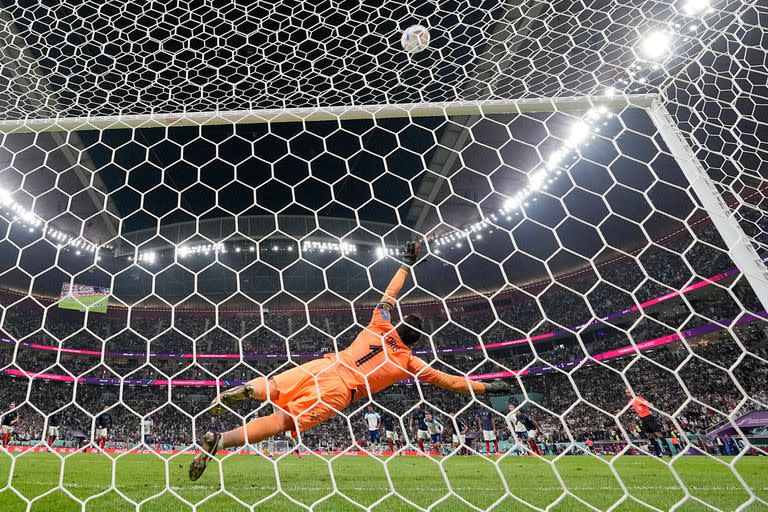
(740, 247)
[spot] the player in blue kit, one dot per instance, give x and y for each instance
(524, 428)
(391, 431)
(459, 438)
(487, 424)
(422, 433)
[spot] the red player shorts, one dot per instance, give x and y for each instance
(312, 392)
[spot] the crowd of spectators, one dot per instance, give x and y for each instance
(693, 384)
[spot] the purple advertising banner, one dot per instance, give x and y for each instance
(561, 332)
(565, 365)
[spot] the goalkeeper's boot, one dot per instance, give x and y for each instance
(209, 445)
(229, 398)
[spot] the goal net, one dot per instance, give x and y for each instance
(193, 195)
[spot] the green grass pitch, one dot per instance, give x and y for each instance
(310, 480)
(95, 303)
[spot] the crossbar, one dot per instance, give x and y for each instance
(405, 110)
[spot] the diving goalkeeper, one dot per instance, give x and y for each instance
(310, 394)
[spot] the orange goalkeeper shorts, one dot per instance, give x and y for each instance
(312, 392)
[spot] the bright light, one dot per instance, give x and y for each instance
(379, 252)
(537, 179)
(694, 7)
(656, 44)
(579, 132)
(610, 92)
(555, 159)
(512, 203)
(5, 197)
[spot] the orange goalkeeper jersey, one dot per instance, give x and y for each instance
(380, 358)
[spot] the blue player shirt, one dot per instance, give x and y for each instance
(388, 421)
(486, 419)
(418, 418)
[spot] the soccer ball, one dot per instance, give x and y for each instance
(415, 39)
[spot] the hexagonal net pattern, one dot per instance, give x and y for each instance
(202, 196)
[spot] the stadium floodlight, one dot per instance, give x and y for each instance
(695, 7)
(5, 197)
(579, 132)
(656, 44)
(555, 159)
(513, 202)
(536, 179)
(148, 257)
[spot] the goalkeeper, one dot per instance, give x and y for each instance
(312, 393)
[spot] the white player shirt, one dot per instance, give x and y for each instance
(517, 425)
(434, 426)
(373, 420)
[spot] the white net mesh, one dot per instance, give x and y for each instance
(587, 180)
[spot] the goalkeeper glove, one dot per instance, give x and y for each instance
(497, 386)
(411, 252)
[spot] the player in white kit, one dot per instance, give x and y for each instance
(372, 419)
(435, 429)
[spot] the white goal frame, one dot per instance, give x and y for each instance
(740, 249)
(402, 110)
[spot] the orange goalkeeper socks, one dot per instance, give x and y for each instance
(258, 429)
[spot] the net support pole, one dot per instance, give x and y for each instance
(740, 248)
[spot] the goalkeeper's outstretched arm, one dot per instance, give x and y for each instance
(456, 383)
(410, 254)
